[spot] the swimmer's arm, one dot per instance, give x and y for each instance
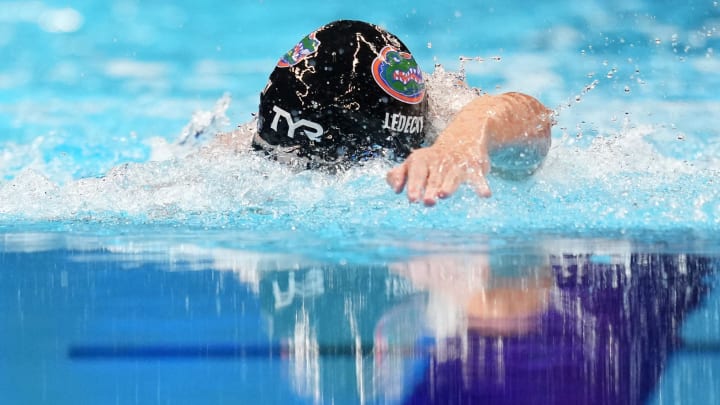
(236, 141)
(231, 140)
(462, 151)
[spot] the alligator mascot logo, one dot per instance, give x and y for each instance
(399, 75)
(306, 47)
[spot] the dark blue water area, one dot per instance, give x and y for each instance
(543, 320)
(51, 302)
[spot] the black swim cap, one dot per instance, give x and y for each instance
(346, 92)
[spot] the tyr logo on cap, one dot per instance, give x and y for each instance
(314, 130)
(398, 74)
(306, 47)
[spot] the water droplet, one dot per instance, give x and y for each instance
(627, 89)
(578, 98)
(657, 41)
(429, 45)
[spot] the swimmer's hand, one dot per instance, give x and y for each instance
(437, 172)
(461, 152)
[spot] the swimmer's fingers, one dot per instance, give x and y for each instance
(417, 177)
(457, 174)
(436, 176)
(397, 177)
(477, 180)
(429, 176)
(451, 181)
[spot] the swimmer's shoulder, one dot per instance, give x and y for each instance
(238, 140)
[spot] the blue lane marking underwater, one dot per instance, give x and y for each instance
(385, 332)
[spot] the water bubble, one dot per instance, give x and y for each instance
(429, 45)
(627, 89)
(658, 41)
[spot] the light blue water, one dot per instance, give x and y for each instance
(93, 97)
(637, 151)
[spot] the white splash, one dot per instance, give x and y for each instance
(618, 179)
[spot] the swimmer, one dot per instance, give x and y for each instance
(351, 91)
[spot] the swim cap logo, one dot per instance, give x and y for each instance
(313, 130)
(399, 75)
(306, 47)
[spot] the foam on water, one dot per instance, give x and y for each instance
(619, 179)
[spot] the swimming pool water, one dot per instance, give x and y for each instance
(137, 270)
(174, 319)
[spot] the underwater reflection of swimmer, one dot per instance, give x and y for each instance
(465, 292)
(461, 328)
(600, 333)
(330, 318)
(325, 316)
